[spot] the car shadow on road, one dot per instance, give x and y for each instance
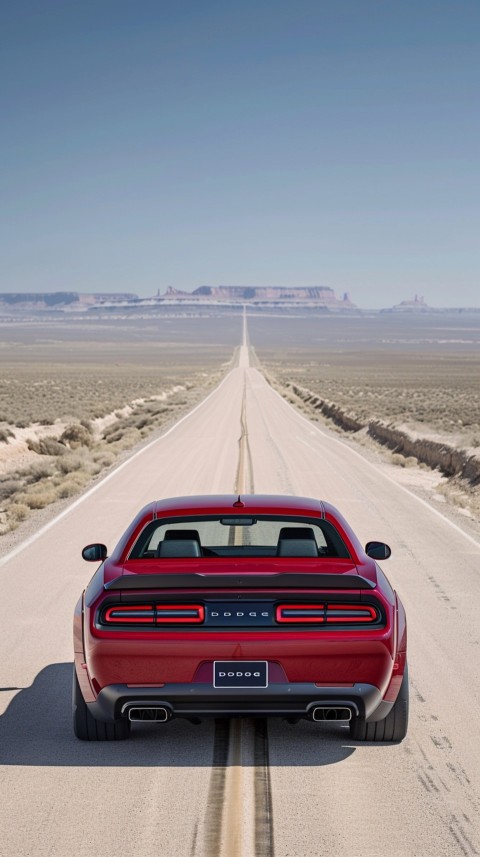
(36, 729)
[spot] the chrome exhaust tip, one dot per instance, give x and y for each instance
(152, 714)
(328, 712)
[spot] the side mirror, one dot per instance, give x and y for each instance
(95, 553)
(377, 550)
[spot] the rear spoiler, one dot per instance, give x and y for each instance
(234, 581)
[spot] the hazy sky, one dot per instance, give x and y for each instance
(335, 142)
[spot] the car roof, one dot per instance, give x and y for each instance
(234, 504)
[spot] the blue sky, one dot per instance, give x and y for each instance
(148, 144)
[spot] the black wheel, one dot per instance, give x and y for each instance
(86, 727)
(392, 728)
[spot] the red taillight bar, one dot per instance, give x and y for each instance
(133, 613)
(351, 613)
(180, 613)
(149, 614)
(300, 613)
(331, 613)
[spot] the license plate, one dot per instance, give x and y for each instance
(240, 674)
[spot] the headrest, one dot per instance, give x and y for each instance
(179, 548)
(296, 533)
(181, 534)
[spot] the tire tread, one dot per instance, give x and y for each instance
(392, 728)
(86, 727)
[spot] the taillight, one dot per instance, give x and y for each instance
(153, 614)
(180, 613)
(119, 615)
(351, 613)
(327, 613)
(300, 613)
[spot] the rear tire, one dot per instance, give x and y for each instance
(392, 728)
(86, 727)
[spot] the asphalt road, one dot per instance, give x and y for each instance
(220, 790)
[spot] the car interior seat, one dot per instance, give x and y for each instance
(296, 541)
(180, 543)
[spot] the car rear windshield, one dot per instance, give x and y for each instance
(238, 536)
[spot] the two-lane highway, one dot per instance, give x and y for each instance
(208, 790)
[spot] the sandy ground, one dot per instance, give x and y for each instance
(456, 498)
(15, 454)
(22, 457)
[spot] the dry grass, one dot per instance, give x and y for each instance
(72, 392)
(5, 435)
(100, 395)
(404, 461)
(18, 512)
(8, 488)
(82, 370)
(77, 434)
(417, 372)
(61, 468)
(427, 398)
(46, 446)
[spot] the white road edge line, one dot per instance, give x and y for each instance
(379, 471)
(31, 539)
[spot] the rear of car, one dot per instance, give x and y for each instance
(224, 607)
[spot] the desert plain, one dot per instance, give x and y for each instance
(403, 385)
(77, 394)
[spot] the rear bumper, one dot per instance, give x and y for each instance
(203, 700)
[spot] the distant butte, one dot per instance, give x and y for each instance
(318, 296)
(295, 294)
(417, 304)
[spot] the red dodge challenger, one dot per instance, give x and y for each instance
(223, 606)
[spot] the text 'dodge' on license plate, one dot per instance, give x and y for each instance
(240, 674)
